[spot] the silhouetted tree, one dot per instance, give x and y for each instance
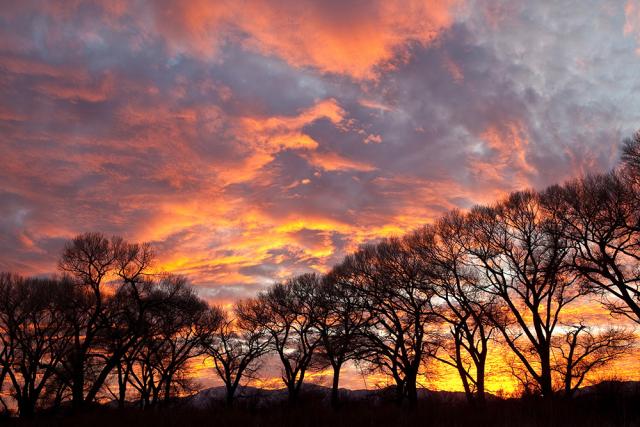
(93, 260)
(601, 219)
(287, 313)
(523, 255)
(464, 306)
(341, 322)
(395, 289)
(35, 334)
(631, 158)
(579, 351)
(182, 325)
(236, 348)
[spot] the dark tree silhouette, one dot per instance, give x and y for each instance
(523, 256)
(102, 332)
(580, 351)
(465, 307)
(89, 258)
(341, 322)
(34, 333)
(287, 313)
(631, 158)
(601, 219)
(395, 289)
(182, 326)
(236, 348)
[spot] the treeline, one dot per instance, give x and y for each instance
(506, 274)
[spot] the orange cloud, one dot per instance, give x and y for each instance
(330, 161)
(263, 137)
(454, 69)
(344, 38)
(501, 157)
(73, 91)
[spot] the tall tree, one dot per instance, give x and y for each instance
(395, 289)
(341, 322)
(287, 313)
(631, 158)
(601, 219)
(523, 256)
(96, 262)
(236, 348)
(33, 328)
(463, 305)
(181, 326)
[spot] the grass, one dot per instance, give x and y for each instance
(604, 408)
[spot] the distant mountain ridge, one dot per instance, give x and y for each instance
(271, 396)
(265, 397)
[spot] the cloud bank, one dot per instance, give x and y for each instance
(249, 141)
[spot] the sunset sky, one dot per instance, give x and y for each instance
(251, 140)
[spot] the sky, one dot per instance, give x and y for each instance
(249, 140)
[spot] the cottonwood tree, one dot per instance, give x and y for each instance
(580, 350)
(341, 322)
(464, 306)
(601, 219)
(631, 159)
(127, 300)
(97, 263)
(236, 348)
(523, 255)
(181, 326)
(287, 313)
(34, 333)
(396, 291)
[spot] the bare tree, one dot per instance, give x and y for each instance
(523, 256)
(395, 289)
(631, 158)
(93, 261)
(34, 333)
(465, 307)
(236, 348)
(580, 351)
(182, 324)
(286, 312)
(341, 322)
(601, 219)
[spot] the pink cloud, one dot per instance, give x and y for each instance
(632, 20)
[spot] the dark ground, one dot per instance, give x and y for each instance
(600, 408)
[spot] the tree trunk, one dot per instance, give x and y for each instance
(480, 394)
(26, 407)
(400, 391)
(465, 381)
(167, 389)
(231, 391)
(568, 390)
(122, 387)
(77, 389)
(546, 386)
(293, 394)
(335, 398)
(411, 389)
(229, 398)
